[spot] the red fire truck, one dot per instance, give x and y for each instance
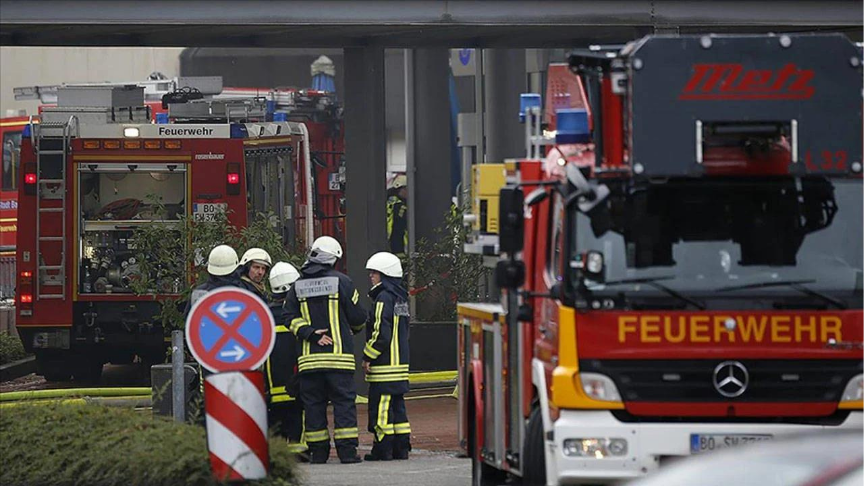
(88, 171)
(682, 273)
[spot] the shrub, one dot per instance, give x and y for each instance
(11, 348)
(60, 445)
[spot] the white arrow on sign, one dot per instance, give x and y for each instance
(238, 353)
(223, 310)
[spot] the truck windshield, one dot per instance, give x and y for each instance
(726, 238)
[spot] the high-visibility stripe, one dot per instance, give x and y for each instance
(371, 352)
(381, 426)
(297, 323)
(387, 369)
(281, 328)
(317, 435)
(335, 331)
(376, 329)
(402, 428)
(327, 356)
(394, 342)
(345, 433)
(297, 448)
(386, 378)
(326, 366)
(304, 311)
(356, 297)
(282, 398)
(275, 390)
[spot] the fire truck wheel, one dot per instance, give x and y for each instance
(58, 374)
(534, 465)
(52, 369)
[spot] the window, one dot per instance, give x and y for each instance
(11, 160)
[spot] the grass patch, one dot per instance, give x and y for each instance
(92, 445)
(11, 348)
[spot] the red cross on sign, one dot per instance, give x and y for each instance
(230, 329)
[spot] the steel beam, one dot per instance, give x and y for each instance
(365, 169)
(413, 23)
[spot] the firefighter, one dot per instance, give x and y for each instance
(385, 359)
(397, 214)
(324, 311)
(221, 265)
(285, 410)
(253, 268)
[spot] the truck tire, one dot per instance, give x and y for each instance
(534, 463)
(88, 372)
(52, 369)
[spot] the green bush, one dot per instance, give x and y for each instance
(11, 348)
(99, 446)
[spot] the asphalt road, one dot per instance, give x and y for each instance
(422, 469)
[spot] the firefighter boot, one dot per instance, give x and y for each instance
(381, 451)
(318, 454)
(348, 455)
(401, 446)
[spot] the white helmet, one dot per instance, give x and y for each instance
(282, 275)
(386, 263)
(222, 261)
(329, 245)
(256, 255)
(398, 182)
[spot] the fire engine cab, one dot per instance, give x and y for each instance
(94, 169)
(681, 272)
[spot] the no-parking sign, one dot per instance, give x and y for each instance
(230, 329)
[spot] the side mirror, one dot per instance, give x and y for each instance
(509, 274)
(511, 220)
(590, 265)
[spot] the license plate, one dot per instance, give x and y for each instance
(700, 443)
(208, 211)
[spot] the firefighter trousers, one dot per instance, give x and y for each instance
(318, 388)
(286, 417)
(388, 421)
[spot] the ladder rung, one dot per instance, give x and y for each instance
(51, 181)
(52, 152)
(50, 267)
(52, 296)
(51, 238)
(51, 210)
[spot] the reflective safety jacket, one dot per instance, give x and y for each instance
(397, 224)
(324, 298)
(387, 337)
(280, 369)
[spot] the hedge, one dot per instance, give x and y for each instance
(60, 445)
(11, 348)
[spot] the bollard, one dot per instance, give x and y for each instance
(237, 425)
(178, 381)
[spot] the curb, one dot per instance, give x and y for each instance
(17, 369)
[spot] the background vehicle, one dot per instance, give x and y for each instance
(95, 169)
(682, 272)
(10, 135)
(828, 459)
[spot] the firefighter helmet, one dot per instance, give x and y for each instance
(256, 255)
(398, 182)
(385, 263)
(327, 244)
(282, 276)
(222, 261)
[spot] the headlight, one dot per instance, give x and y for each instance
(854, 390)
(594, 262)
(130, 132)
(598, 448)
(599, 387)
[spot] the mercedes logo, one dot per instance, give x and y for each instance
(731, 379)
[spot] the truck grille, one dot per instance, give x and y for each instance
(693, 380)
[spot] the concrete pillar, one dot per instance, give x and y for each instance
(504, 82)
(366, 167)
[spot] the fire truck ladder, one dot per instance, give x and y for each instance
(51, 141)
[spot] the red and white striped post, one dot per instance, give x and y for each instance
(237, 425)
